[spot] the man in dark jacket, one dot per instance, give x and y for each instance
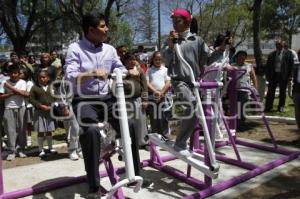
(278, 71)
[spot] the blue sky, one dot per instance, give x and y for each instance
(166, 24)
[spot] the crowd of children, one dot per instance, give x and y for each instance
(26, 99)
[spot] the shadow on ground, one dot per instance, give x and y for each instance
(292, 143)
(283, 186)
(68, 192)
(166, 185)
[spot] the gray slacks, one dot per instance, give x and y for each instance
(187, 100)
(13, 123)
(138, 118)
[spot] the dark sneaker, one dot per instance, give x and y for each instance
(145, 147)
(165, 138)
(280, 109)
(268, 110)
(53, 151)
(146, 183)
(93, 195)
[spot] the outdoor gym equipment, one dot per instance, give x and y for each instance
(195, 160)
(125, 137)
(207, 188)
(253, 169)
(111, 172)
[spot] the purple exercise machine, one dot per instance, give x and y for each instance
(205, 187)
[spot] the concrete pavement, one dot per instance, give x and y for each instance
(163, 187)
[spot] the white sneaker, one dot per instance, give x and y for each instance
(184, 152)
(22, 155)
(80, 155)
(11, 157)
(42, 154)
(73, 155)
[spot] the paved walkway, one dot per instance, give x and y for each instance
(163, 187)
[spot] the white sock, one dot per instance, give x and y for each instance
(49, 141)
(40, 143)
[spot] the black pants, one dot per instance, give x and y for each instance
(273, 82)
(88, 114)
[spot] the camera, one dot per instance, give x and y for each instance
(60, 111)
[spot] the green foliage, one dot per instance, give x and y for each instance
(289, 109)
(74, 10)
(21, 19)
(218, 16)
(120, 32)
(280, 18)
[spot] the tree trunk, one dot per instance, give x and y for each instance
(256, 36)
(290, 40)
(107, 10)
(20, 45)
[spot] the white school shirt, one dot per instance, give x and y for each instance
(15, 101)
(245, 81)
(29, 85)
(157, 77)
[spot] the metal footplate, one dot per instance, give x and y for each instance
(195, 160)
(124, 182)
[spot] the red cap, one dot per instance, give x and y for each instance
(182, 13)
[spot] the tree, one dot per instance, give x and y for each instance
(146, 20)
(76, 9)
(120, 32)
(218, 16)
(20, 20)
(281, 18)
(256, 35)
(113, 11)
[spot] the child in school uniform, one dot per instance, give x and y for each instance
(245, 81)
(136, 92)
(26, 75)
(41, 99)
(158, 83)
(14, 93)
(3, 77)
(195, 52)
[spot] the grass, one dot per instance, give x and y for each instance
(289, 109)
(59, 137)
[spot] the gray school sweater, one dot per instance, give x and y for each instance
(194, 51)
